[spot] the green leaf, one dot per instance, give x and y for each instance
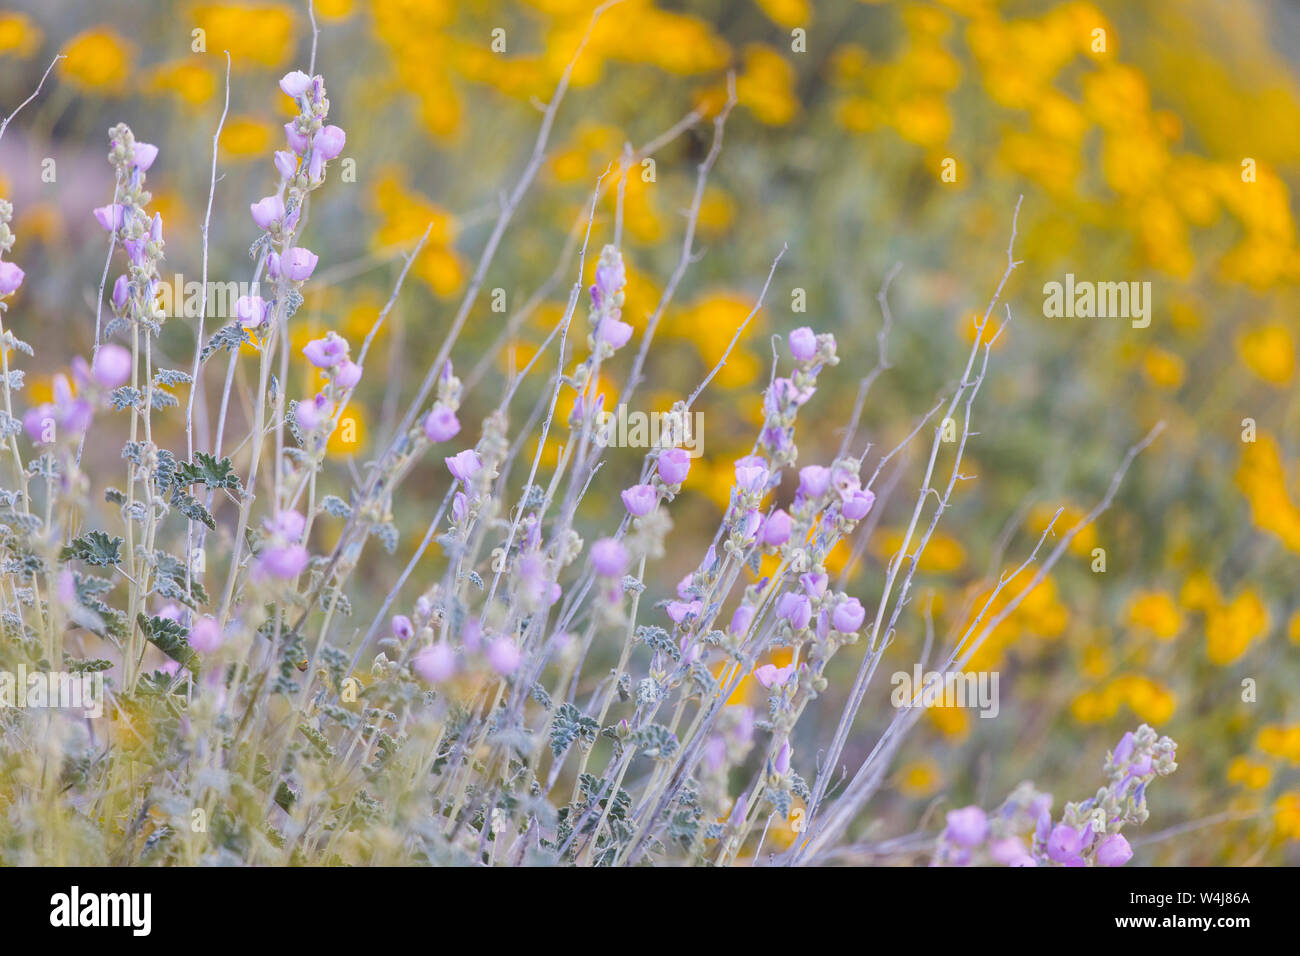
(207, 470)
(94, 547)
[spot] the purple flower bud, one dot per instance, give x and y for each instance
(609, 558)
(111, 365)
(782, 763)
(121, 292)
(205, 636)
(155, 228)
(803, 344)
(814, 584)
(741, 619)
(347, 374)
(777, 528)
(111, 217)
(464, 466)
(674, 465)
(250, 310)
(267, 211)
(297, 141)
(11, 277)
(326, 352)
(769, 675)
(441, 424)
(328, 142)
(814, 480)
(145, 154)
(857, 505)
(502, 656)
(848, 616)
(739, 809)
(296, 83)
(794, 608)
(1064, 843)
(299, 263)
(286, 164)
(967, 827)
(1114, 850)
(1124, 749)
(639, 500)
(403, 629)
(435, 664)
(460, 507)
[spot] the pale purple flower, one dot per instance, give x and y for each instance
(639, 500)
(145, 154)
(769, 675)
(328, 142)
(503, 656)
(267, 211)
(1114, 850)
(310, 413)
(803, 344)
(205, 636)
(1064, 843)
(403, 629)
(1007, 850)
(777, 528)
(289, 525)
(111, 365)
(848, 616)
(464, 466)
(299, 263)
(326, 352)
(441, 424)
(857, 505)
(674, 465)
(435, 664)
(680, 610)
(751, 477)
(609, 558)
(615, 333)
(296, 83)
(347, 374)
(111, 217)
(297, 141)
(741, 619)
(286, 163)
(794, 608)
(11, 277)
(250, 310)
(967, 827)
(814, 480)
(284, 562)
